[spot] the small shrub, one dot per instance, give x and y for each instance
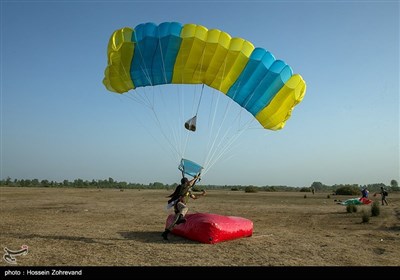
(351, 208)
(305, 196)
(251, 189)
(328, 196)
(365, 216)
(375, 209)
(348, 190)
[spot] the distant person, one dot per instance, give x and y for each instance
(313, 190)
(179, 199)
(364, 192)
(384, 194)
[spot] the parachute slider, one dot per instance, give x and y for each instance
(190, 168)
(191, 124)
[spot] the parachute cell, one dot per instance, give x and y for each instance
(172, 53)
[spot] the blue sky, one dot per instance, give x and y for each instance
(59, 122)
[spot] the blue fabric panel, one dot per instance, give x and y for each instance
(256, 69)
(278, 74)
(146, 39)
(155, 53)
(165, 57)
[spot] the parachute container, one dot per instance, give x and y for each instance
(212, 228)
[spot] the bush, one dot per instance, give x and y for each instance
(328, 196)
(251, 189)
(365, 216)
(375, 209)
(304, 189)
(351, 208)
(348, 190)
(305, 196)
(270, 189)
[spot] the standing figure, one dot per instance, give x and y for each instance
(384, 194)
(179, 199)
(364, 192)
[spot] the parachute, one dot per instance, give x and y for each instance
(356, 201)
(172, 53)
(153, 54)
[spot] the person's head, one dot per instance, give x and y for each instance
(184, 180)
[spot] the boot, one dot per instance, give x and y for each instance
(181, 220)
(165, 234)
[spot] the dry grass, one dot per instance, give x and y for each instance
(101, 227)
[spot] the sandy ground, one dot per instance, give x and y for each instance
(109, 227)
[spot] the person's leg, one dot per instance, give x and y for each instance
(183, 209)
(165, 234)
(171, 226)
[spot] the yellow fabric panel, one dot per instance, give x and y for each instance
(217, 48)
(234, 62)
(280, 108)
(215, 45)
(193, 41)
(120, 52)
(194, 30)
(211, 57)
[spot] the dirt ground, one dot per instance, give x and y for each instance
(109, 227)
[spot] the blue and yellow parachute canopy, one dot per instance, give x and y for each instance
(172, 53)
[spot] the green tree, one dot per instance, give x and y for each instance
(348, 190)
(394, 185)
(317, 186)
(78, 182)
(45, 183)
(156, 185)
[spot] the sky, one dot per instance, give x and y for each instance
(58, 121)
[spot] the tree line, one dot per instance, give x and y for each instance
(111, 183)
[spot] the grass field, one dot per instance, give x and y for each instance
(109, 227)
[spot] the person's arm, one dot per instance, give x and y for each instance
(198, 195)
(194, 180)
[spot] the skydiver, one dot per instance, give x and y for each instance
(179, 198)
